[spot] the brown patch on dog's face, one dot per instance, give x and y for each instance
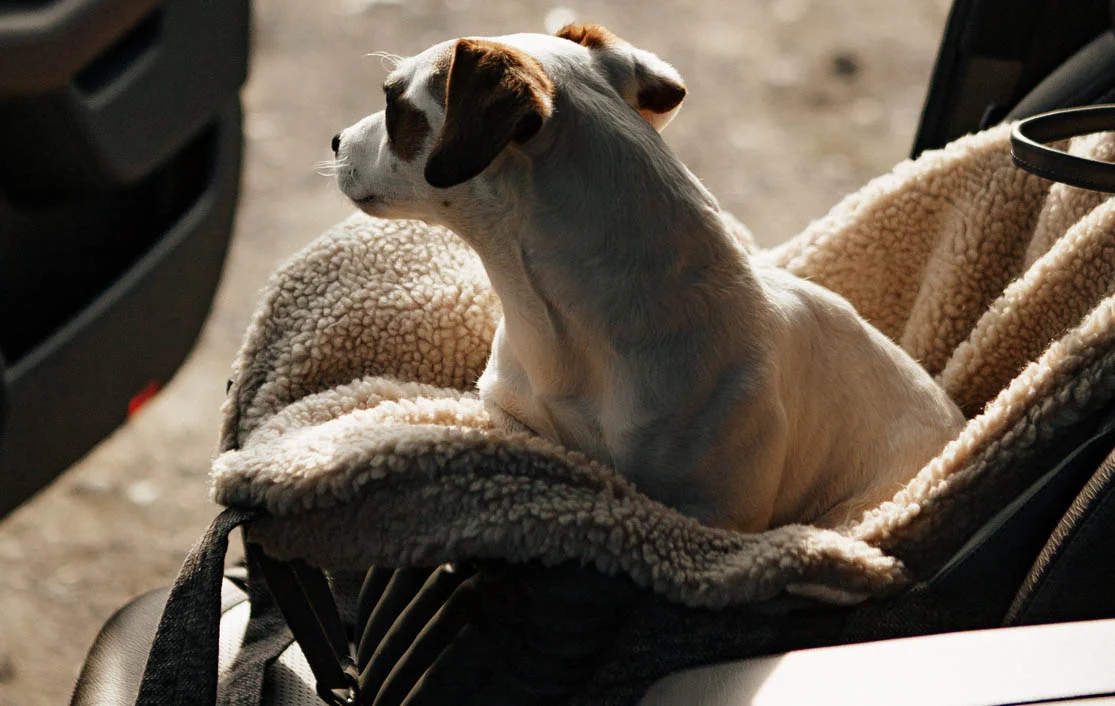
(591, 36)
(496, 94)
(407, 126)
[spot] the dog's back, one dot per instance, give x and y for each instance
(865, 414)
(636, 329)
(807, 414)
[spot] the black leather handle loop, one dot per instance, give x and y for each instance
(1030, 153)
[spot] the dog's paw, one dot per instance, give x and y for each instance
(504, 421)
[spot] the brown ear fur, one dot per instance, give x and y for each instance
(590, 35)
(654, 92)
(495, 94)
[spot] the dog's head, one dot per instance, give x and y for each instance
(464, 113)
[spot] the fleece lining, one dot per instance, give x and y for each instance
(353, 420)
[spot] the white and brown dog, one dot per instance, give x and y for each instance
(635, 327)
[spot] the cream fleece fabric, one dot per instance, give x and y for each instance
(352, 417)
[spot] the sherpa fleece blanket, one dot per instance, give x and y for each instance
(352, 418)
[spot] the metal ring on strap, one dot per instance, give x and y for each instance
(1030, 150)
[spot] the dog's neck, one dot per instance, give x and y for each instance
(611, 238)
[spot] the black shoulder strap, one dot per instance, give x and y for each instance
(1030, 149)
(182, 665)
(266, 636)
(306, 602)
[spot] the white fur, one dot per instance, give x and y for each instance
(636, 327)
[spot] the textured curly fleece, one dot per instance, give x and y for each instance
(351, 416)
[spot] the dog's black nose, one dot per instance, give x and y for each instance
(336, 142)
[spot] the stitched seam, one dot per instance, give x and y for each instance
(1069, 551)
(1053, 174)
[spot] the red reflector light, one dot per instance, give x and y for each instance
(143, 396)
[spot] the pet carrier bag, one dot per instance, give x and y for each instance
(401, 550)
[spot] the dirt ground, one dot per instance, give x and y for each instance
(792, 104)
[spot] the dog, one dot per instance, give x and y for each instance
(636, 327)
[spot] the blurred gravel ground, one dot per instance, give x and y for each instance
(792, 104)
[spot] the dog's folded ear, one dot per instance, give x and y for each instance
(495, 95)
(648, 84)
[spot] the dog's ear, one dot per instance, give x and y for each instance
(495, 95)
(647, 83)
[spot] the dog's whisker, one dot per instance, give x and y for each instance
(329, 167)
(387, 60)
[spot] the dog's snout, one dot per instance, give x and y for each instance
(336, 143)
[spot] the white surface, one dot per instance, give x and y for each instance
(981, 668)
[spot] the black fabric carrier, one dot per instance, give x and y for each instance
(494, 633)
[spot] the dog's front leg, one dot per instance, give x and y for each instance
(504, 407)
(504, 389)
(504, 421)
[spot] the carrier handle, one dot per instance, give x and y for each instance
(1029, 146)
